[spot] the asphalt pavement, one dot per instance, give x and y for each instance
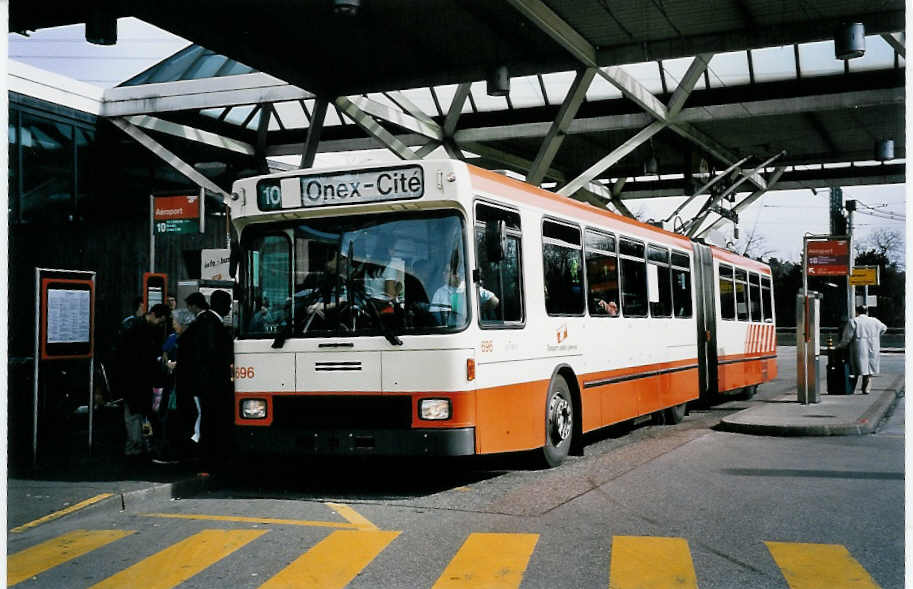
(106, 481)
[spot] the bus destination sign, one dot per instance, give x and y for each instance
(343, 188)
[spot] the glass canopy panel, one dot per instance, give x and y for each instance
(878, 55)
(817, 59)
(774, 63)
(445, 96)
(292, 114)
(205, 67)
(557, 85)
(729, 69)
(213, 113)
(170, 69)
(674, 70)
(484, 102)
(255, 120)
(421, 97)
(647, 74)
(273, 123)
(238, 114)
(525, 92)
(600, 89)
(332, 118)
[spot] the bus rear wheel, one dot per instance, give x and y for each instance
(676, 414)
(559, 423)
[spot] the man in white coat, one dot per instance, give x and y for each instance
(863, 336)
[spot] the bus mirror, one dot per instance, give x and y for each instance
(495, 240)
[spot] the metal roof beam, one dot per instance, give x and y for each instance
(169, 157)
(198, 94)
(558, 131)
(456, 108)
(566, 36)
(686, 86)
(191, 134)
(608, 161)
(373, 128)
(425, 127)
(895, 44)
(315, 129)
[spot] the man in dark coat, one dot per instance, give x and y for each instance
(138, 370)
(203, 371)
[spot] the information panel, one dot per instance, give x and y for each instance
(67, 308)
(828, 258)
(176, 214)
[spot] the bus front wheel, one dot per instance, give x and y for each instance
(559, 423)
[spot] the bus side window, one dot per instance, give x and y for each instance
(633, 278)
(659, 259)
(727, 293)
(741, 294)
(766, 293)
(601, 274)
(754, 296)
(499, 290)
(563, 269)
(681, 285)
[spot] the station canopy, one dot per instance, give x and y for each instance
(600, 101)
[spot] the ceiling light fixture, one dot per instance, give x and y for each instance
(849, 41)
(346, 7)
(498, 81)
(101, 28)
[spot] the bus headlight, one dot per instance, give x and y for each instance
(434, 409)
(253, 408)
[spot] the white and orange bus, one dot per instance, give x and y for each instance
(436, 308)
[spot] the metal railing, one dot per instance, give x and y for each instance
(892, 339)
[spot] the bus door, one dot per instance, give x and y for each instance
(705, 311)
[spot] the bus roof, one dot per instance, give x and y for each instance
(518, 191)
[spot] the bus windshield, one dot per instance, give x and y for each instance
(377, 274)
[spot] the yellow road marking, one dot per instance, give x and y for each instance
(646, 562)
(807, 566)
(61, 513)
(334, 561)
(254, 520)
(352, 516)
(489, 560)
(47, 555)
(180, 561)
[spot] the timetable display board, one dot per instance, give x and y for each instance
(67, 314)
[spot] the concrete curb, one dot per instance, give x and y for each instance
(135, 499)
(865, 424)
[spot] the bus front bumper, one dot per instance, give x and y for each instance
(338, 442)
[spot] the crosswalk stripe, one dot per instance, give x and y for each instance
(334, 561)
(489, 560)
(47, 555)
(808, 566)
(182, 560)
(646, 562)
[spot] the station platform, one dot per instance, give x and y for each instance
(834, 415)
(105, 481)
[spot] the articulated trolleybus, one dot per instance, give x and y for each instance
(438, 309)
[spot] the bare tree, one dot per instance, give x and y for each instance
(887, 242)
(755, 245)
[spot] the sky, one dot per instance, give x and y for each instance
(779, 218)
